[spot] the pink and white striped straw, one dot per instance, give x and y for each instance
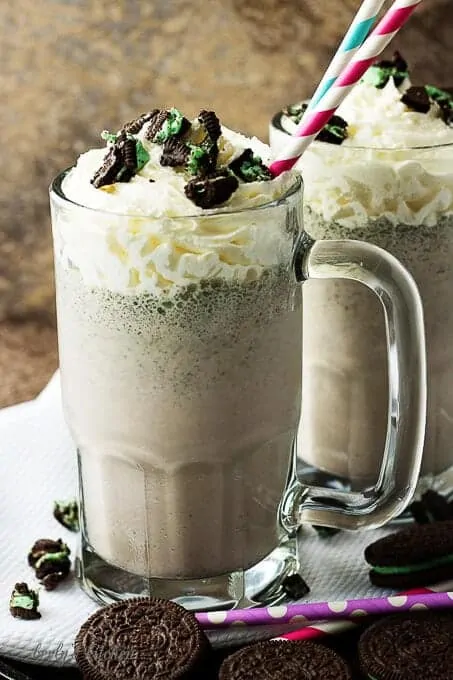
(326, 628)
(316, 118)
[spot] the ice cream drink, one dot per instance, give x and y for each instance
(382, 172)
(180, 344)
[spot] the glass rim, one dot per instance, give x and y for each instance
(56, 193)
(276, 123)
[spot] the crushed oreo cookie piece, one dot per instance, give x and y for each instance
(125, 157)
(67, 514)
(250, 168)
(202, 159)
(110, 137)
(211, 191)
(211, 124)
(195, 159)
(130, 153)
(174, 153)
(111, 170)
(334, 132)
(24, 603)
(417, 99)
(380, 73)
(167, 124)
(50, 560)
(134, 126)
(156, 122)
(432, 507)
(444, 100)
(295, 111)
(295, 587)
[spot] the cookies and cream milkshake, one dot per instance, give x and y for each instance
(180, 344)
(381, 172)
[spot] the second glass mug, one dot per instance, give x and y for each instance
(185, 409)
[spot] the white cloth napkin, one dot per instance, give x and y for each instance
(38, 466)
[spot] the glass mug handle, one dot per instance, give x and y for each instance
(393, 285)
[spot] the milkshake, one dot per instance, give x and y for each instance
(180, 350)
(384, 174)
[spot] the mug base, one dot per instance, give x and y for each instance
(262, 584)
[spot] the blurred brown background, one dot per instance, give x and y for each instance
(72, 67)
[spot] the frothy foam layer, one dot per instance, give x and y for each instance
(164, 243)
(389, 178)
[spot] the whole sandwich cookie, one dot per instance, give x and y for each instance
(417, 556)
(417, 646)
(142, 639)
(275, 660)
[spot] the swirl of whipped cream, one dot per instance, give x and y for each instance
(148, 236)
(395, 163)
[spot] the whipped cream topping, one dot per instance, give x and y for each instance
(395, 163)
(147, 235)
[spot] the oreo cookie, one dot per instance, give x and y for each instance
(140, 639)
(417, 99)
(134, 126)
(250, 168)
(210, 122)
(24, 603)
(432, 507)
(335, 130)
(417, 556)
(165, 125)
(50, 560)
(416, 646)
(444, 100)
(279, 660)
(380, 73)
(211, 191)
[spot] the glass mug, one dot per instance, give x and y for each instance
(184, 408)
(409, 213)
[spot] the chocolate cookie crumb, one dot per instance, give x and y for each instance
(24, 603)
(130, 154)
(110, 169)
(134, 126)
(174, 153)
(208, 192)
(48, 557)
(295, 111)
(211, 124)
(250, 168)
(380, 73)
(167, 124)
(444, 100)
(432, 507)
(67, 514)
(417, 99)
(334, 132)
(295, 587)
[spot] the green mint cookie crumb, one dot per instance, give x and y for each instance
(254, 170)
(442, 97)
(171, 127)
(142, 155)
(67, 513)
(197, 158)
(109, 136)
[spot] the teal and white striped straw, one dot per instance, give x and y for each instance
(355, 36)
